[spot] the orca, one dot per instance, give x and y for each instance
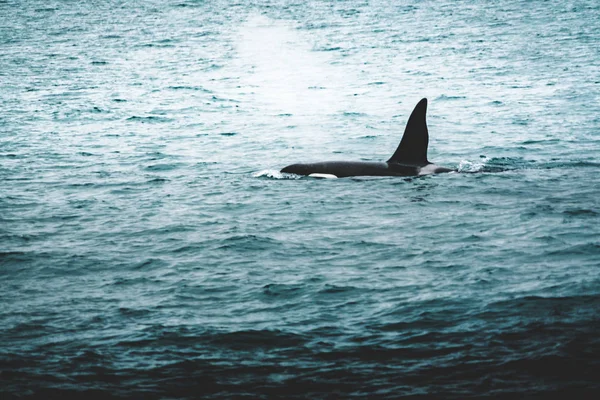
(410, 158)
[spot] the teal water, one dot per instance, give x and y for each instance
(149, 247)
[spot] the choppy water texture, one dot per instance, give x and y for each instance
(150, 249)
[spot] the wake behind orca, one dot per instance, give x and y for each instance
(410, 158)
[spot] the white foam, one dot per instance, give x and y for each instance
(469, 166)
(274, 174)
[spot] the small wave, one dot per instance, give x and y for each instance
(162, 167)
(82, 184)
(540, 141)
(334, 289)
(193, 88)
(581, 212)
(507, 163)
(281, 290)
(157, 44)
(158, 180)
(148, 119)
(274, 174)
(335, 48)
(6, 256)
(520, 121)
(253, 339)
(590, 249)
(213, 67)
(134, 313)
(470, 167)
(189, 249)
(494, 164)
(528, 305)
(249, 243)
(444, 97)
(569, 164)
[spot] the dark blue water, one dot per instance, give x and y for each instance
(149, 247)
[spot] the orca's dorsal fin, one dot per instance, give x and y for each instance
(413, 146)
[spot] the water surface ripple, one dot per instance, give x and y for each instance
(150, 249)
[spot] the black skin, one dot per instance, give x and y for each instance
(409, 159)
(343, 169)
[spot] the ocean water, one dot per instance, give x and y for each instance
(149, 247)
